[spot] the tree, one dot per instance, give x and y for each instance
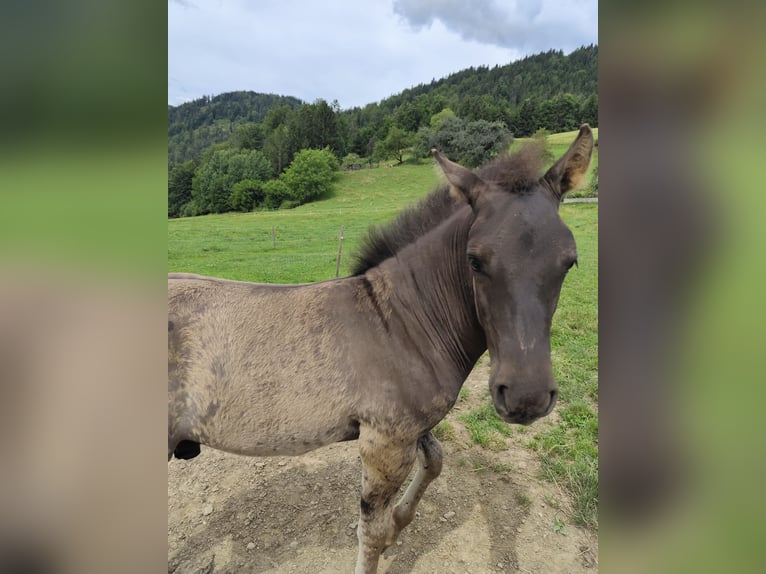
(325, 132)
(214, 180)
(180, 187)
(469, 143)
(249, 136)
(526, 120)
(246, 194)
(566, 113)
(590, 111)
(407, 117)
(277, 149)
(438, 118)
(310, 175)
(395, 144)
(482, 140)
(275, 193)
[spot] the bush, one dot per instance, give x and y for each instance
(468, 143)
(351, 160)
(214, 180)
(275, 192)
(188, 210)
(246, 194)
(310, 175)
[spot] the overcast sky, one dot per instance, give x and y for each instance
(357, 51)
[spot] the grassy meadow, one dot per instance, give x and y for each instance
(304, 246)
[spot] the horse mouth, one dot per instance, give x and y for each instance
(523, 420)
(522, 415)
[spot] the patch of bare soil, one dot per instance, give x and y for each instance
(487, 512)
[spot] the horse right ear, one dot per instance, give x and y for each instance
(463, 182)
(570, 170)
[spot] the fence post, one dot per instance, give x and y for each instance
(340, 250)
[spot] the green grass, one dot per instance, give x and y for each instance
(567, 138)
(574, 333)
(569, 456)
(569, 451)
(486, 428)
(239, 245)
(444, 431)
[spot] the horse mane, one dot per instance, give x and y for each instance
(514, 173)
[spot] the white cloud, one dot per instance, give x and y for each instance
(528, 25)
(354, 51)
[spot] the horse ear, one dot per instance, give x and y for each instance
(568, 171)
(462, 180)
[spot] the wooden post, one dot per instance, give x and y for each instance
(340, 250)
(273, 238)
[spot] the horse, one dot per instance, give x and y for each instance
(380, 356)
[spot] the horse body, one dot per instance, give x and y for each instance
(241, 379)
(380, 356)
(281, 370)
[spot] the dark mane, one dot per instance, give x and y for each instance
(415, 221)
(513, 172)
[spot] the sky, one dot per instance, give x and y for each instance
(357, 51)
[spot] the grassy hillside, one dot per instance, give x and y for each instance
(300, 245)
(304, 244)
(239, 245)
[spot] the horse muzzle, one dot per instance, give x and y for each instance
(522, 406)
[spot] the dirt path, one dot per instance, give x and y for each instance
(487, 512)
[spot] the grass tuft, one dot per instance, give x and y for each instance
(569, 456)
(523, 500)
(487, 429)
(444, 431)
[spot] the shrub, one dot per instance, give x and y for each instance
(310, 175)
(246, 194)
(350, 160)
(214, 180)
(275, 192)
(468, 143)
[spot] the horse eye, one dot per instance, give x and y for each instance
(474, 262)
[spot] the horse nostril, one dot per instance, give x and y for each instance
(501, 393)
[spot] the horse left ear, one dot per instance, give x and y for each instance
(462, 180)
(568, 171)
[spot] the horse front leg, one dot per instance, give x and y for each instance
(385, 466)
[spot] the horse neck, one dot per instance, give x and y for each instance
(432, 284)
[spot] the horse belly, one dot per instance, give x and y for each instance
(268, 428)
(287, 442)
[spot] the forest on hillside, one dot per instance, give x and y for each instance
(250, 141)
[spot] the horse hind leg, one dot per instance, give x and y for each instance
(385, 467)
(429, 467)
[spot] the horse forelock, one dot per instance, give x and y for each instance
(515, 172)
